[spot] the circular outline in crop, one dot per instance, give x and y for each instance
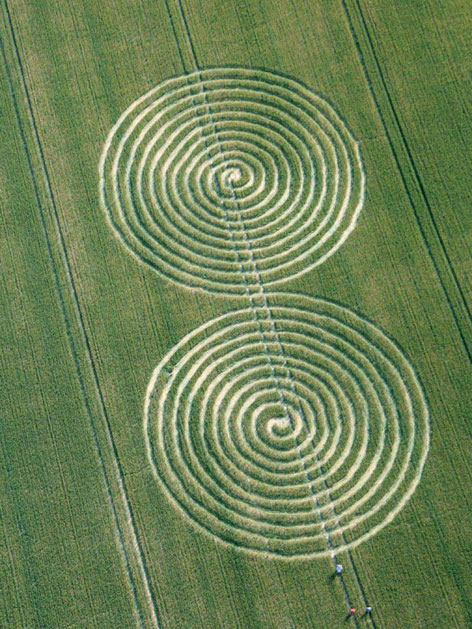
(227, 178)
(338, 463)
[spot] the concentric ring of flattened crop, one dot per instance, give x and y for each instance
(277, 437)
(231, 177)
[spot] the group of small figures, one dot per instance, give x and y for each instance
(352, 610)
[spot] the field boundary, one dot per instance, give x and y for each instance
(124, 523)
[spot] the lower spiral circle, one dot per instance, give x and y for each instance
(296, 434)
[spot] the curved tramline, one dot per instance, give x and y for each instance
(354, 440)
(292, 426)
(192, 158)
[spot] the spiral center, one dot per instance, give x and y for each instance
(233, 175)
(279, 426)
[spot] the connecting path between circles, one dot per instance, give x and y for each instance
(292, 426)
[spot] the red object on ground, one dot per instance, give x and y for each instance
(352, 611)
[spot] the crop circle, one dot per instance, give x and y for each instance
(231, 177)
(277, 438)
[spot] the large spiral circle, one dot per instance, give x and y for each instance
(295, 434)
(229, 177)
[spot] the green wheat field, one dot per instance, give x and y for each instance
(236, 319)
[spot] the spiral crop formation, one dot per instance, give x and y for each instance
(276, 451)
(292, 426)
(212, 172)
